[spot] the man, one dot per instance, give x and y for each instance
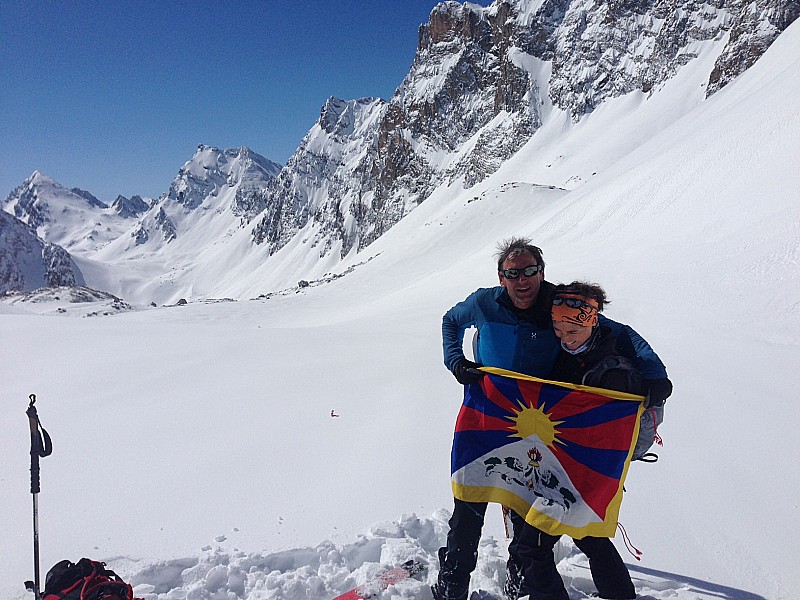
(515, 332)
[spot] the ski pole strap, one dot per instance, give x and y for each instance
(41, 444)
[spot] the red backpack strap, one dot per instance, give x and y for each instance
(85, 580)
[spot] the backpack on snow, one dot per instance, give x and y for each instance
(85, 580)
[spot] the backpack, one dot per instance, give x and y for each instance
(85, 580)
(628, 379)
(626, 375)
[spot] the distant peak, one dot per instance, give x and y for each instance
(37, 177)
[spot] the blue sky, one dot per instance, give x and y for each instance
(114, 96)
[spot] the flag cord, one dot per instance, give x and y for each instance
(634, 551)
(656, 438)
(506, 518)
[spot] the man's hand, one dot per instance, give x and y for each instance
(467, 372)
(658, 390)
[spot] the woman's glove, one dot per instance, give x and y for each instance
(658, 390)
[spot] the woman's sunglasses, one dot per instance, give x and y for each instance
(572, 302)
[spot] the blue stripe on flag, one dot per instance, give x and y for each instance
(610, 463)
(471, 445)
(611, 411)
(550, 395)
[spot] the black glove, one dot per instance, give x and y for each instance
(466, 372)
(658, 390)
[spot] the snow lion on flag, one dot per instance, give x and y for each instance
(556, 453)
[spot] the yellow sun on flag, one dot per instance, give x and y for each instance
(530, 421)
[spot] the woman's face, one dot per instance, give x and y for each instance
(571, 335)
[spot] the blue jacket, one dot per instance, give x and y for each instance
(523, 340)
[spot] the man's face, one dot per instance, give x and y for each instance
(522, 290)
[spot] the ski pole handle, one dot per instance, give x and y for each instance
(41, 446)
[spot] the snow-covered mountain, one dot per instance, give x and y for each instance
(71, 218)
(129, 207)
(196, 453)
(485, 83)
(27, 263)
(217, 182)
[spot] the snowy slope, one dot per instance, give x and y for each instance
(194, 447)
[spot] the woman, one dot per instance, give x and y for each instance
(588, 356)
(588, 350)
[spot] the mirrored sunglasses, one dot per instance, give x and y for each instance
(527, 271)
(572, 302)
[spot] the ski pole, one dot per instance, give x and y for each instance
(41, 446)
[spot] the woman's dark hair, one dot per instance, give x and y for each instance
(582, 288)
(513, 247)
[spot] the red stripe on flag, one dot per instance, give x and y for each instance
(596, 490)
(470, 419)
(612, 435)
(576, 402)
(530, 392)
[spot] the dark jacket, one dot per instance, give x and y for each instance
(600, 366)
(523, 340)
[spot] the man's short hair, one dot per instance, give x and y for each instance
(513, 247)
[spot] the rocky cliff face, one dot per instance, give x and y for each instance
(754, 26)
(129, 207)
(366, 163)
(27, 263)
(480, 83)
(327, 184)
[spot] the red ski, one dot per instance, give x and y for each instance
(376, 586)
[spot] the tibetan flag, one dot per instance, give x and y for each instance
(555, 453)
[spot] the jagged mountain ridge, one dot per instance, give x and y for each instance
(71, 218)
(222, 183)
(484, 81)
(216, 190)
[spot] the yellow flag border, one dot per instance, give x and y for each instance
(573, 386)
